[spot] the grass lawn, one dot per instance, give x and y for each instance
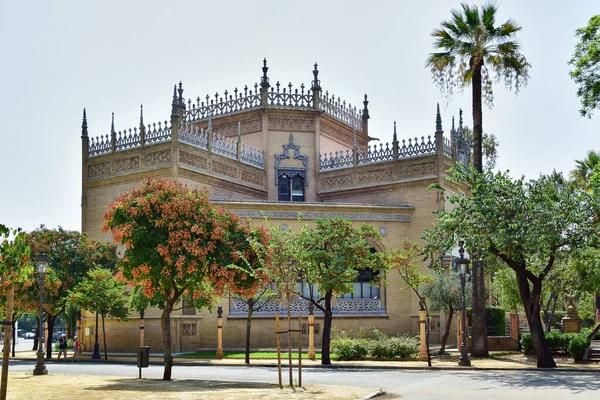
(271, 355)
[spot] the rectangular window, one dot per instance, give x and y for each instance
(188, 330)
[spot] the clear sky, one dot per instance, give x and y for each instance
(61, 56)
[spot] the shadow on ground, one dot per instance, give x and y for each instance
(581, 382)
(185, 385)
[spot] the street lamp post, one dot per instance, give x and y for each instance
(96, 353)
(463, 264)
(41, 261)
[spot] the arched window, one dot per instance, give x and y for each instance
(363, 288)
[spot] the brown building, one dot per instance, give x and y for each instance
(276, 150)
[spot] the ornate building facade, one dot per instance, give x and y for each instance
(276, 151)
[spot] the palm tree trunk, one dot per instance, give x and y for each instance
(50, 320)
(477, 118)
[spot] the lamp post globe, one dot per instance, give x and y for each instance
(41, 262)
(463, 264)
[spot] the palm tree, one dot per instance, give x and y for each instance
(472, 49)
(585, 168)
(471, 46)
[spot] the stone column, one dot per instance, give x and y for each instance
(514, 325)
(311, 333)
(219, 332)
(422, 334)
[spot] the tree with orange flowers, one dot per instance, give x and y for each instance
(179, 244)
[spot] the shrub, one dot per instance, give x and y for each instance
(384, 346)
(526, 343)
(577, 346)
(347, 347)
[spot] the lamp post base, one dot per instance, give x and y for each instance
(464, 361)
(40, 368)
(96, 354)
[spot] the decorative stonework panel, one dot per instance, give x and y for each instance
(224, 169)
(378, 175)
(331, 182)
(334, 132)
(417, 170)
(101, 169)
(158, 157)
(315, 215)
(255, 178)
(284, 122)
(356, 306)
(193, 160)
(128, 163)
(247, 126)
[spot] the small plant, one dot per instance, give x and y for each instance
(357, 346)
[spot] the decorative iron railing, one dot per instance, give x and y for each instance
(194, 136)
(253, 156)
(157, 133)
(224, 146)
(220, 105)
(340, 111)
(380, 153)
(127, 139)
(99, 146)
(290, 98)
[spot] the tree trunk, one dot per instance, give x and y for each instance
(289, 341)
(549, 327)
(447, 330)
(248, 327)
(477, 117)
(327, 318)
(531, 302)
(14, 329)
(50, 319)
(427, 330)
(597, 303)
(104, 338)
(479, 347)
(7, 340)
(165, 322)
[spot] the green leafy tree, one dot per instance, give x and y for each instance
(405, 260)
(584, 169)
(331, 253)
(473, 48)
(178, 244)
(101, 292)
(444, 294)
(71, 255)
(505, 291)
(15, 267)
(585, 61)
(527, 225)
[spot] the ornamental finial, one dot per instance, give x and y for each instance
(264, 81)
(141, 114)
(365, 113)
(395, 138)
(180, 94)
(112, 123)
(84, 131)
(460, 122)
(438, 120)
(174, 112)
(316, 83)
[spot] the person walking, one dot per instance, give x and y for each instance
(75, 349)
(62, 347)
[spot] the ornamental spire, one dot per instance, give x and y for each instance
(84, 127)
(460, 122)
(316, 83)
(438, 120)
(174, 112)
(112, 123)
(395, 137)
(141, 114)
(365, 113)
(264, 81)
(181, 104)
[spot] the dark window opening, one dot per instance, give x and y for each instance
(290, 188)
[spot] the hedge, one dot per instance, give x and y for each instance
(571, 343)
(495, 320)
(351, 346)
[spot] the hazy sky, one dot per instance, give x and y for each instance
(61, 56)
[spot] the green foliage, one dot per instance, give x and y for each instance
(585, 61)
(445, 291)
(15, 264)
(571, 343)
(470, 42)
(577, 346)
(358, 346)
(505, 290)
(100, 291)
